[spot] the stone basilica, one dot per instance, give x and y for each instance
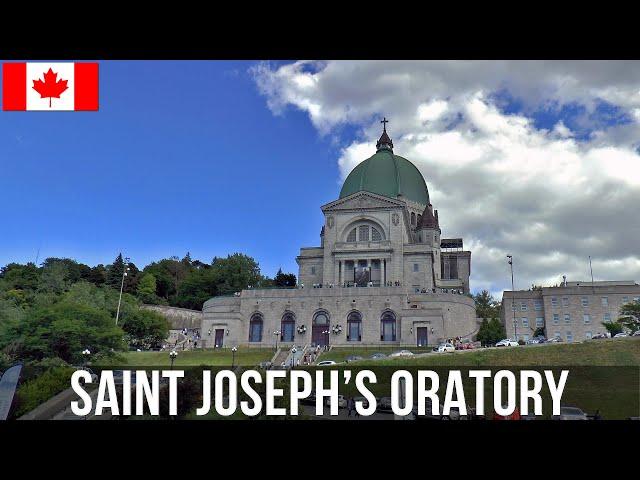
(382, 274)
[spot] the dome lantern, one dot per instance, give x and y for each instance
(385, 142)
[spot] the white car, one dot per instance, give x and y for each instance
(620, 335)
(570, 413)
(402, 353)
(636, 333)
(342, 402)
(445, 347)
(325, 363)
(507, 342)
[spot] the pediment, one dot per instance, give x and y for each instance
(362, 201)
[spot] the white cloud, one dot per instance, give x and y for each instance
(504, 185)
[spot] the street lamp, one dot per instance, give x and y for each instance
(293, 356)
(276, 334)
(85, 355)
(233, 357)
(172, 355)
(513, 299)
(124, 274)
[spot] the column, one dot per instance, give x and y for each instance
(369, 268)
(340, 273)
(383, 283)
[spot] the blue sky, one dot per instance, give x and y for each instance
(182, 156)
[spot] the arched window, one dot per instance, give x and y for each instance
(321, 318)
(320, 328)
(365, 232)
(388, 327)
(413, 218)
(419, 218)
(354, 327)
(255, 328)
(287, 327)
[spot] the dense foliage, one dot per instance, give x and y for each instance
(490, 332)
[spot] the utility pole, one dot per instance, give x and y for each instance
(513, 299)
(124, 274)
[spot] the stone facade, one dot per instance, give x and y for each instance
(574, 311)
(382, 274)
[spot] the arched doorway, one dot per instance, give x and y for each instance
(388, 327)
(354, 327)
(255, 328)
(288, 327)
(319, 329)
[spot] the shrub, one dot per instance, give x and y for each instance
(40, 389)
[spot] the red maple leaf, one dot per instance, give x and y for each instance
(50, 88)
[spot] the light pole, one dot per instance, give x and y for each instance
(172, 355)
(233, 356)
(85, 356)
(124, 274)
(276, 334)
(293, 356)
(513, 299)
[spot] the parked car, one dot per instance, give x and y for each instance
(620, 335)
(428, 412)
(445, 347)
(507, 342)
(378, 356)
(536, 340)
(342, 402)
(465, 345)
(599, 336)
(554, 340)
(384, 404)
(365, 402)
(325, 363)
(570, 413)
(636, 333)
(402, 353)
(353, 358)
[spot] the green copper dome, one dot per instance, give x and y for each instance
(387, 174)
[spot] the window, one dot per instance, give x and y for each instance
(363, 233)
(565, 301)
(352, 236)
(313, 270)
(588, 335)
(513, 306)
(525, 322)
(449, 267)
(537, 304)
(604, 301)
(287, 327)
(586, 319)
(523, 306)
(557, 335)
(567, 318)
(525, 338)
(606, 317)
(569, 336)
(585, 301)
(354, 331)
(419, 218)
(255, 328)
(556, 319)
(539, 322)
(625, 300)
(413, 218)
(388, 327)
(554, 302)
(375, 234)
(416, 267)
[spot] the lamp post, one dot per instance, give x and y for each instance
(513, 299)
(293, 356)
(124, 274)
(172, 355)
(85, 356)
(276, 334)
(233, 356)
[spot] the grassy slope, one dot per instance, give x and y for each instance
(613, 352)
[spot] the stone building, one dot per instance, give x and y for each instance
(573, 311)
(382, 274)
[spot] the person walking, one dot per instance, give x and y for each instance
(350, 406)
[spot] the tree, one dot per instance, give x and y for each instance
(144, 328)
(539, 332)
(98, 275)
(486, 305)
(490, 332)
(20, 277)
(64, 330)
(235, 273)
(613, 327)
(630, 316)
(284, 279)
(146, 287)
(115, 271)
(54, 278)
(197, 288)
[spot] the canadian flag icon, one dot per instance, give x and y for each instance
(50, 86)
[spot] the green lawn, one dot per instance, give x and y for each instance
(340, 354)
(244, 356)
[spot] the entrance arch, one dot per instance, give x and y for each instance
(320, 328)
